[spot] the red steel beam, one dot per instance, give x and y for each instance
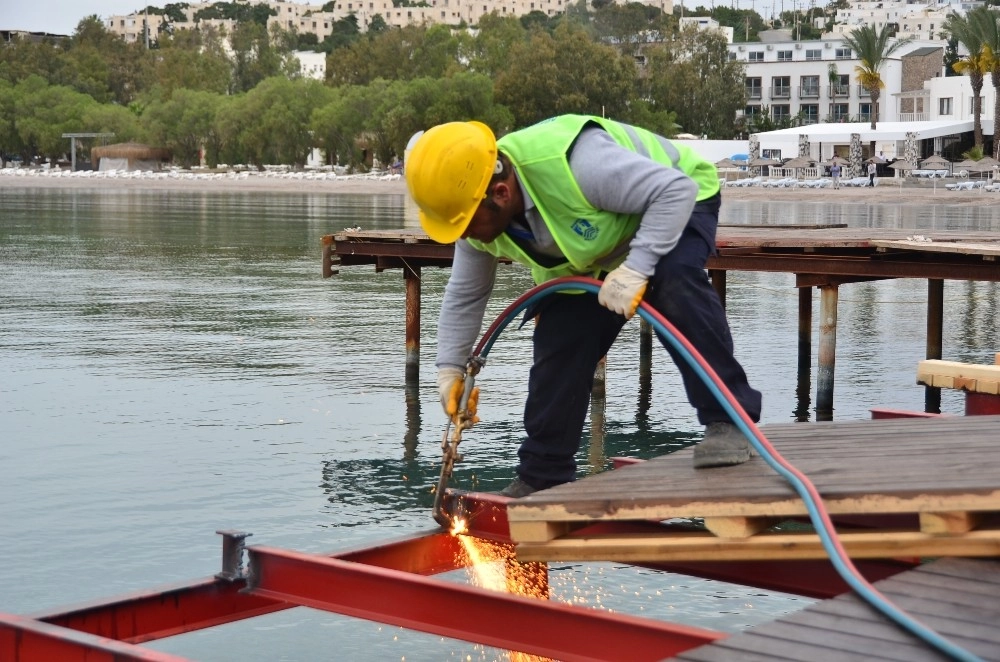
(24, 639)
(537, 627)
(185, 607)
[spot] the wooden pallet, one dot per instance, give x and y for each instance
(941, 474)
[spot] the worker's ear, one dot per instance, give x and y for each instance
(502, 193)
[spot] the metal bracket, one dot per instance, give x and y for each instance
(232, 555)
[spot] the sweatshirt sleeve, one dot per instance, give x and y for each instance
(473, 274)
(614, 178)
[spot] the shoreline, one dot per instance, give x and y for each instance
(889, 191)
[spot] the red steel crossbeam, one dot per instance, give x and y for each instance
(537, 627)
(24, 639)
(186, 607)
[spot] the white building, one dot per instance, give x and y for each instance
(919, 20)
(816, 81)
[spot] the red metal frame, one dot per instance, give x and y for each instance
(389, 583)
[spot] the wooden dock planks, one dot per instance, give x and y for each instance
(957, 598)
(942, 472)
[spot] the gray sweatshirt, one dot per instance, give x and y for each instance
(612, 178)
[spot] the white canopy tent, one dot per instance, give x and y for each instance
(885, 134)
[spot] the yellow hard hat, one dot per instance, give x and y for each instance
(447, 174)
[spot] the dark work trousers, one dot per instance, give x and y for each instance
(573, 331)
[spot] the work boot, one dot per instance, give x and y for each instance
(723, 444)
(517, 489)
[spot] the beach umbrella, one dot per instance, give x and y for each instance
(985, 164)
(935, 160)
(758, 162)
(839, 160)
(799, 162)
(902, 165)
(874, 159)
(726, 163)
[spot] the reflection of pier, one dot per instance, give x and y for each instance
(820, 256)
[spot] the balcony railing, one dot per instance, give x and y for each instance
(913, 117)
(753, 93)
(781, 92)
(863, 92)
(809, 92)
(840, 91)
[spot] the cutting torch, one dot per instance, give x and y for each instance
(463, 419)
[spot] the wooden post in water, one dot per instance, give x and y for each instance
(828, 295)
(935, 333)
(411, 275)
(804, 373)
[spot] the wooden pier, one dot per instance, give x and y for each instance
(908, 488)
(824, 257)
(958, 598)
(923, 487)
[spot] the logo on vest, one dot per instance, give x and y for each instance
(582, 227)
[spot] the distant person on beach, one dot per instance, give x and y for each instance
(871, 174)
(835, 174)
(578, 195)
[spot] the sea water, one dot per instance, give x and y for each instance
(173, 363)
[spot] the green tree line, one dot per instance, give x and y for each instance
(249, 104)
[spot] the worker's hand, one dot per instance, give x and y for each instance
(451, 386)
(622, 291)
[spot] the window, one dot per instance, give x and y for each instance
(810, 113)
(864, 112)
(781, 112)
(843, 54)
(755, 56)
(809, 87)
(781, 87)
(784, 56)
(842, 87)
(814, 54)
(944, 106)
(839, 112)
(754, 88)
(751, 111)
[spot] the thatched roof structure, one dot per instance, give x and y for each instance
(130, 151)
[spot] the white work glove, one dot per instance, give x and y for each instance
(451, 386)
(622, 291)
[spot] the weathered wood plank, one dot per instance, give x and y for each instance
(847, 628)
(656, 547)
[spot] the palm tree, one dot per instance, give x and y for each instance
(873, 47)
(972, 31)
(985, 23)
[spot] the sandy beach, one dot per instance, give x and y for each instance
(907, 191)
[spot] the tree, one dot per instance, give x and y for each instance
(565, 72)
(398, 54)
(184, 123)
(192, 59)
(971, 31)
(488, 51)
(983, 21)
(693, 77)
(43, 112)
(873, 47)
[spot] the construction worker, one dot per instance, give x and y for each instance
(578, 195)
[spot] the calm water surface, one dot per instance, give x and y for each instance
(172, 364)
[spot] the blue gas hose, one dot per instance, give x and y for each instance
(802, 485)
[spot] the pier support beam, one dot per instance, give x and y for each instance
(935, 333)
(828, 297)
(803, 382)
(411, 275)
